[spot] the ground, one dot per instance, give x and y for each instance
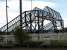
(33, 48)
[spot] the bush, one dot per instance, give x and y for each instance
(65, 29)
(21, 37)
(31, 44)
(58, 43)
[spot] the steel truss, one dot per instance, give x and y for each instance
(33, 21)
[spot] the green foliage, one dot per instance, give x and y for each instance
(58, 43)
(65, 29)
(21, 36)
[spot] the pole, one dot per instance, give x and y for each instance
(6, 18)
(21, 15)
(7, 15)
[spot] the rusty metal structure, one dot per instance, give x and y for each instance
(34, 21)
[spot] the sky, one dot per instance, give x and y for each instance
(13, 8)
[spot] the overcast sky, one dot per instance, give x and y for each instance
(13, 8)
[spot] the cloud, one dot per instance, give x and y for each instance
(4, 0)
(42, 4)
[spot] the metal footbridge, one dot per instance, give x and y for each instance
(34, 21)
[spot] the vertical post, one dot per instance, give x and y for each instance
(21, 15)
(38, 22)
(7, 15)
(54, 24)
(42, 22)
(30, 23)
(25, 22)
(38, 25)
(62, 25)
(6, 19)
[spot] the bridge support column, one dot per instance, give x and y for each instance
(38, 23)
(54, 24)
(30, 23)
(26, 25)
(62, 25)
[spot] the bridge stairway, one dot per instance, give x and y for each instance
(16, 23)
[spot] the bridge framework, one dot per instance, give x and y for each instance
(34, 21)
